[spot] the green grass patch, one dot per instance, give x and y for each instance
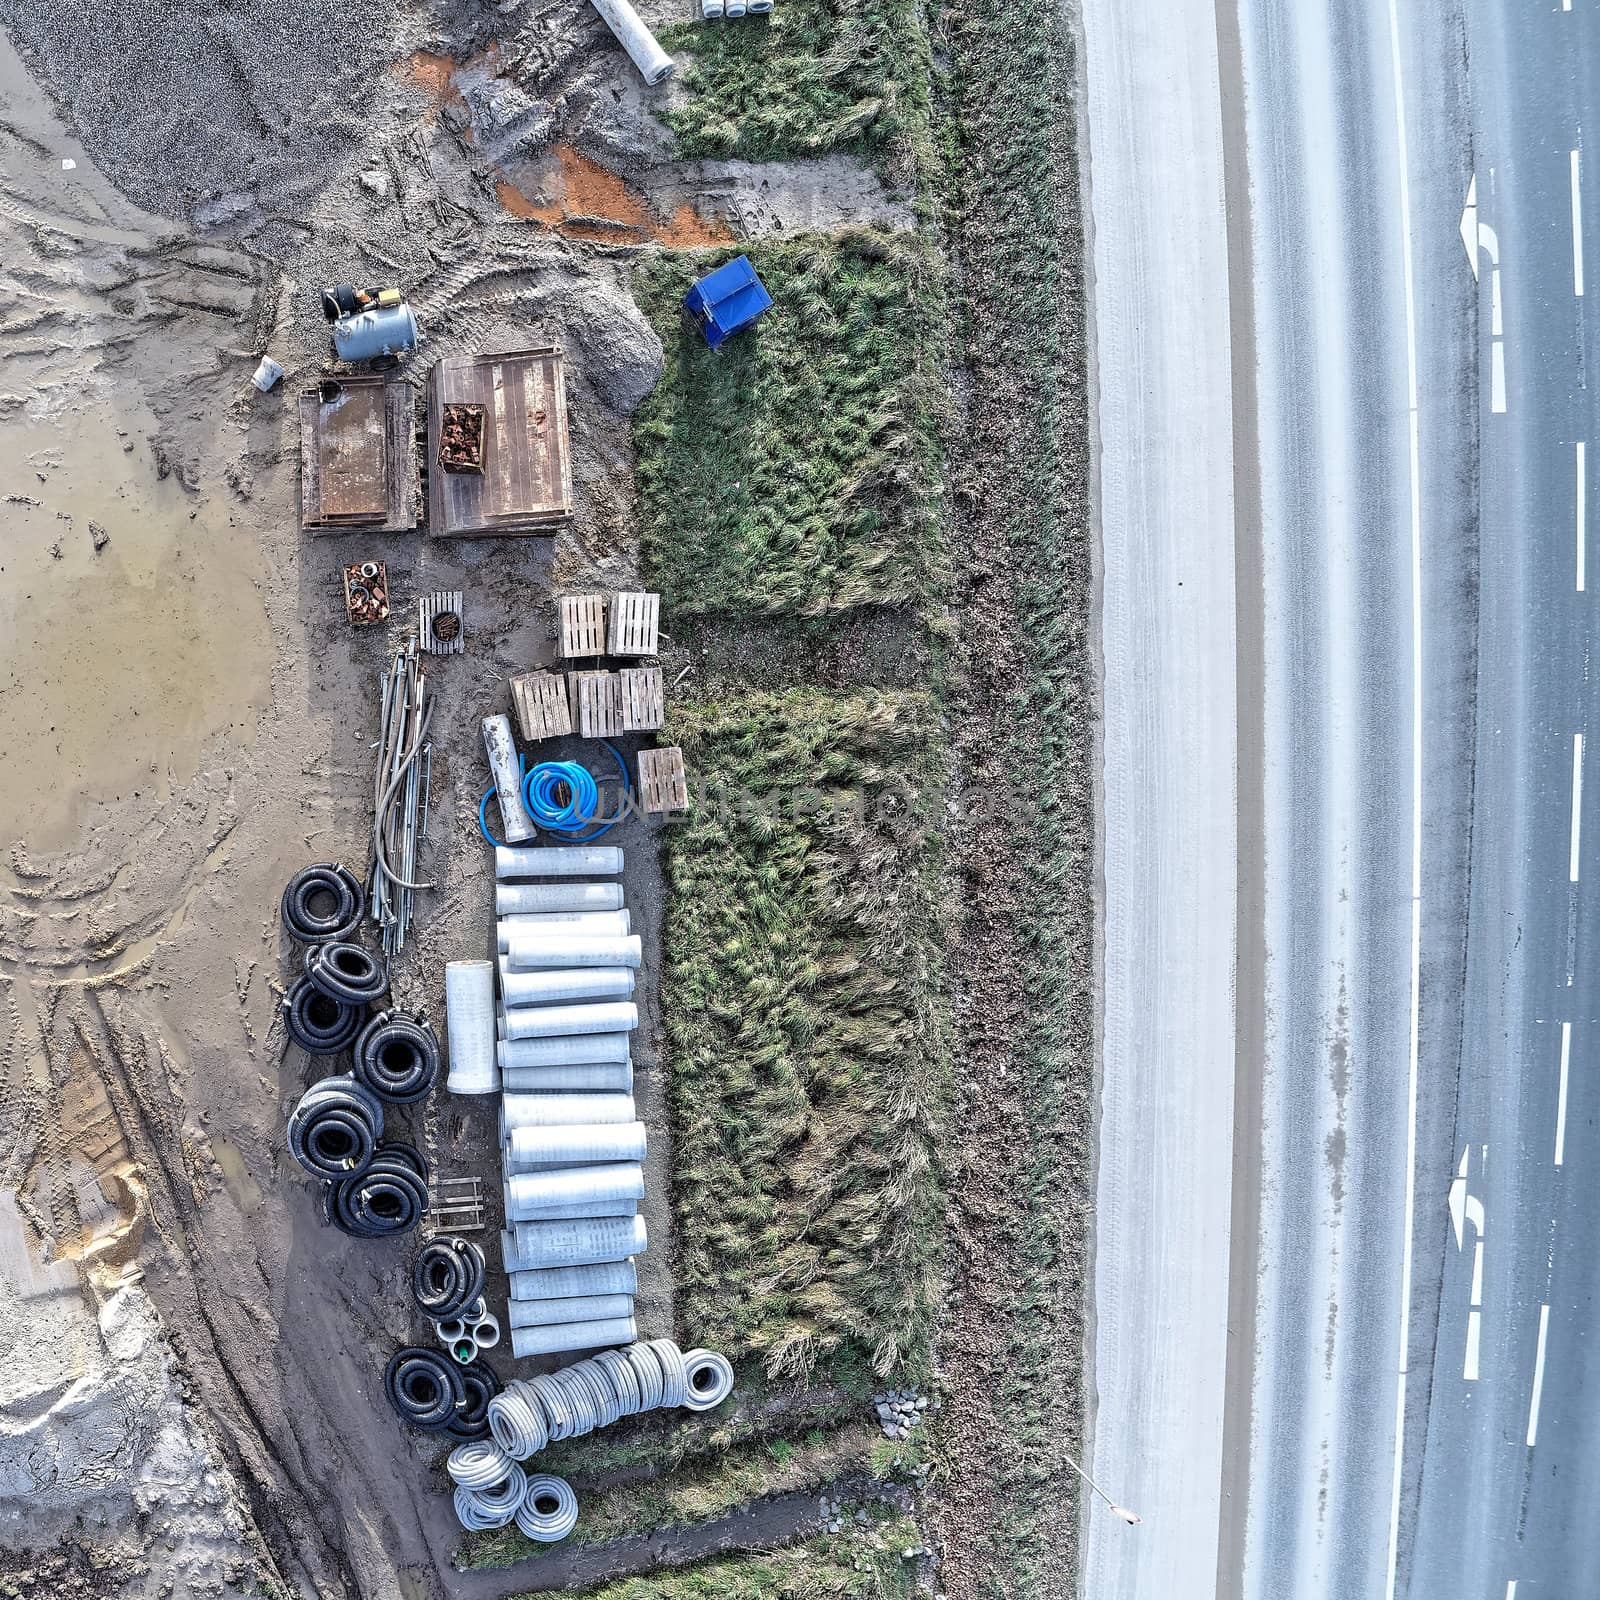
(808, 1051)
(814, 76)
(795, 473)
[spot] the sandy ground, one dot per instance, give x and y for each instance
(188, 717)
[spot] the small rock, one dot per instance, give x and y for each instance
(99, 535)
(376, 181)
(922, 1402)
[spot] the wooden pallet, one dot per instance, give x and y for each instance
(358, 467)
(644, 699)
(596, 703)
(583, 625)
(440, 625)
(663, 784)
(635, 624)
(540, 700)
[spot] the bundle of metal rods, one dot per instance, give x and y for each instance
(400, 790)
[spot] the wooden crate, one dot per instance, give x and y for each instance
(663, 784)
(596, 703)
(644, 699)
(635, 624)
(583, 625)
(540, 701)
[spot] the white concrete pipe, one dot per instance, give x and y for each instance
(588, 1048)
(550, 984)
(469, 1026)
(586, 921)
(570, 1144)
(530, 949)
(576, 1244)
(557, 1337)
(574, 1212)
(653, 62)
(515, 822)
(558, 1283)
(568, 1186)
(581, 1308)
(558, 1022)
(586, 1077)
(564, 861)
(532, 899)
(552, 1110)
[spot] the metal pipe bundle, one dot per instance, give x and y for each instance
(400, 791)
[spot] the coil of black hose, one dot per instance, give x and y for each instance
(335, 1127)
(347, 972)
(319, 1024)
(387, 1198)
(425, 1387)
(447, 1277)
(472, 1420)
(397, 1057)
(301, 922)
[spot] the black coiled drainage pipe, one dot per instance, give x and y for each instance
(447, 1277)
(322, 902)
(386, 1198)
(347, 972)
(397, 1057)
(319, 1024)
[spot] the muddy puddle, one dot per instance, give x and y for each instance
(131, 630)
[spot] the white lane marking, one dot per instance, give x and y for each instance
(1577, 804)
(1496, 319)
(1538, 1378)
(1415, 463)
(1581, 450)
(1477, 1273)
(1561, 1093)
(1577, 229)
(1511, 1583)
(1497, 377)
(1469, 1368)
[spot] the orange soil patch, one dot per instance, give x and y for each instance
(596, 204)
(430, 72)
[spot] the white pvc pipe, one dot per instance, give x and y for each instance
(517, 899)
(545, 987)
(610, 1048)
(584, 1077)
(576, 1244)
(562, 1336)
(532, 948)
(580, 1308)
(469, 1026)
(568, 1186)
(586, 922)
(653, 62)
(564, 861)
(557, 1022)
(557, 1283)
(557, 1110)
(574, 1211)
(569, 1144)
(515, 822)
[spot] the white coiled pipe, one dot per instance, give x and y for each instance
(580, 1077)
(469, 1018)
(586, 1308)
(551, 984)
(573, 1144)
(562, 861)
(548, 1110)
(575, 1244)
(529, 949)
(562, 1283)
(556, 1337)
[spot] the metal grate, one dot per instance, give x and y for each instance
(457, 1207)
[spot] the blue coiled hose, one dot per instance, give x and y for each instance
(543, 786)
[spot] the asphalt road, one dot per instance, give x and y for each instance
(1412, 1399)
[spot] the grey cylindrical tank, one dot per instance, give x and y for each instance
(571, 1144)
(586, 1077)
(501, 749)
(653, 62)
(549, 984)
(552, 1110)
(562, 861)
(592, 1047)
(568, 1186)
(516, 899)
(469, 1026)
(555, 1283)
(378, 331)
(530, 949)
(589, 921)
(557, 1022)
(577, 1244)
(548, 1341)
(581, 1308)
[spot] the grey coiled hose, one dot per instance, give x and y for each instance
(335, 1127)
(386, 1198)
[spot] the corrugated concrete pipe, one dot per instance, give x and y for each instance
(556, 1337)
(532, 949)
(582, 1049)
(541, 899)
(559, 1022)
(565, 1186)
(653, 62)
(607, 922)
(596, 1076)
(564, 861)
(588, 1308)
(552, 984)
(560, 1283)
(575, 1212)
(469, 1015)
(515, 822)
(575, 1244)
(550, 1110)
(573, 1144)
